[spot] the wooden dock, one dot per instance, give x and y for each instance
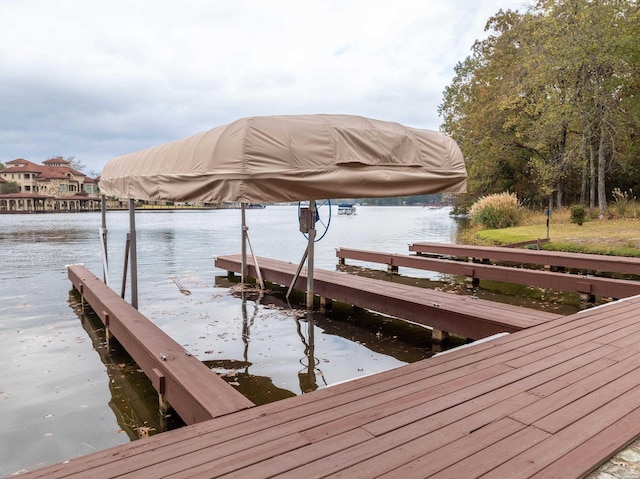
(578, 261)
(463, 315)
(552, 401)
(588, 285)
(182, 381)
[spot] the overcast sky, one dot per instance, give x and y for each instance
(97, 79)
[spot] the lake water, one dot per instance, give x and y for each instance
(65, 392)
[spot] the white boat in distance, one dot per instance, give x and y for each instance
(346, 209)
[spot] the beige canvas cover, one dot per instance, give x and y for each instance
(269, 159)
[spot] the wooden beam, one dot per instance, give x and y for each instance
(579, 261)
(193, 390)
(595, 286)
(462, 315)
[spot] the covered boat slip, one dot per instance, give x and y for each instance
(291, 158)
(287, 158)
(552, 401)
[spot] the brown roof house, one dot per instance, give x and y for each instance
(52, 186)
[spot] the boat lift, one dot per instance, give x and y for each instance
(283, 158)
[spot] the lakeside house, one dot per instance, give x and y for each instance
(52, 186)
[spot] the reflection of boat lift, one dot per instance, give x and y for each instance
(259, 389)
(246, 325)
(307, 375)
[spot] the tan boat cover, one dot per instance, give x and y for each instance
(291, 158)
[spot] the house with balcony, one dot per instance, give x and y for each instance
(51, 186)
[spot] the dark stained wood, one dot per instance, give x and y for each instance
(551, 401)
(579, 261)
(550, 412)
(537, 457)
(596, 286)
(463, 315)
(422, 458)
(593, 452)
(192, 389)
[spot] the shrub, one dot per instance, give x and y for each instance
(578, 214)
(500, 210)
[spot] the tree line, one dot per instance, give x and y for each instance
(548, 105)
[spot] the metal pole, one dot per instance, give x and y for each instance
(295, 276)
(255, 260)
(133, 253)
(103, 239)
(312, 237)
(243, 245)
(126, 265)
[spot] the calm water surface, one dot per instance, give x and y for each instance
(64, 392)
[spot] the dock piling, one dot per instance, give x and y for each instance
(438, 336)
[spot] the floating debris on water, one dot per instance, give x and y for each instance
(182, 289)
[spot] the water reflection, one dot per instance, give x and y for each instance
(134, 401)
(310, 372)
(259, 389)
(345, 336)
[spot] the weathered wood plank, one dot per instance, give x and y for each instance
(603, 287)
(322, 450)
(590, 426)
(594, 451)
(485, 461)
(418, 459)
(551, 411)
(415, 397)
(579, 261)
(444, 311)
(192, 389)
(488, 392)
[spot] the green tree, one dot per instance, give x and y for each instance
(9, 187)
(488, 110)
(548, 102)
(600, 58)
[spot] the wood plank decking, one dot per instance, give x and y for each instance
(590, 285)
(551, 401)
(463, 315)
(579, 261)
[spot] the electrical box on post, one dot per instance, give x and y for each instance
(305, 220)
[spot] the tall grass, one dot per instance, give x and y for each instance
(625, 204)
(499, 210)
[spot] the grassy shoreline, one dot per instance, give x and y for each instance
(617, 237)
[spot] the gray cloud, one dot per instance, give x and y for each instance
(99, 79)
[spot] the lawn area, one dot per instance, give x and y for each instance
(620, 237)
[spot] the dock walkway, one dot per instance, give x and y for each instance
(463, 315)
(552, 401)
(589, 285)
(578, 261)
